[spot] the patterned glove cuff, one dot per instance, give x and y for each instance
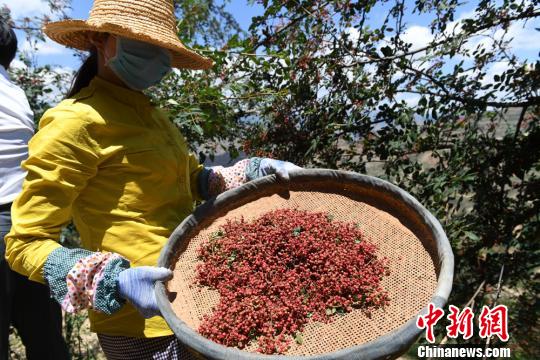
(215, 180)
(107, 297)
(253, 168)
(57, 267)
(81, 279)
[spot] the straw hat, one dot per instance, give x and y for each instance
(151, 21)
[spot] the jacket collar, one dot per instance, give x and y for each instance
(120, 93)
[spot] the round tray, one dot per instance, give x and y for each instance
(420, 260)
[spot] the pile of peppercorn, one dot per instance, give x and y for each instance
(283, 270)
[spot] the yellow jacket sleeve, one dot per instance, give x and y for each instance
(62, 158)
(195, 170)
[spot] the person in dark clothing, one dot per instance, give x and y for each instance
(25, 304)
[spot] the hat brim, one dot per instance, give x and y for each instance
(75, 34)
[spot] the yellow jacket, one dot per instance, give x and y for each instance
(116, 165)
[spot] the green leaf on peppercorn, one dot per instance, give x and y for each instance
(340, 310)
(298, 338)
(217, 234)
(330, 311)
(231, 258)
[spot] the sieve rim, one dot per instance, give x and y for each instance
(387, 346)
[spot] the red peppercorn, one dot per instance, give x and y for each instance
(279, 272)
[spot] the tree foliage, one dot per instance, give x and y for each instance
(339, 84)
(40, 82)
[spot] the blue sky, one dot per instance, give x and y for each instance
(240, 8)
(56, 55)
(525, 45)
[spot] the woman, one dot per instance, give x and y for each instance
(113, 163)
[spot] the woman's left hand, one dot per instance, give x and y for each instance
(137, 286)
(278, 167)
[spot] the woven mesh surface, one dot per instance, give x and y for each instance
(410, 250)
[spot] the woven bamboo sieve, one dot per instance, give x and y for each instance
(420, 261)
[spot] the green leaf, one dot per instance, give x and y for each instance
(387, 51)
(217, 234)
(232, 258)
(198, 129)
(298, 338)
(329, 311)
(471, 235)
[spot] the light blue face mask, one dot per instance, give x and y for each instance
(138, 64)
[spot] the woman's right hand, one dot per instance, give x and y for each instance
(137, 286)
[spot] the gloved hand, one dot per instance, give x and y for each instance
(137, 286)
(278, 167)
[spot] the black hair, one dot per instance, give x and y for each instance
(86, 73)
(8, 43)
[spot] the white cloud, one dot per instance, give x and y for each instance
(51, 48)
(454, 27)
(410, 99)
(522, 34)
(353, 33)
(58, 86)
(34, 8)
(496, 68)
(48, 47)
(418, 36)
(22, 8)
(17, 64)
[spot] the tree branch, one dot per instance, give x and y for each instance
(479, 102)
(430, 78)
(239, 53)
(520, 121)
(26, 28)
(435, 44)
(291, 23)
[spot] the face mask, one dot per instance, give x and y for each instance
(138, 64)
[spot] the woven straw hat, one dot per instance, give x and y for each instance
(151, 21)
